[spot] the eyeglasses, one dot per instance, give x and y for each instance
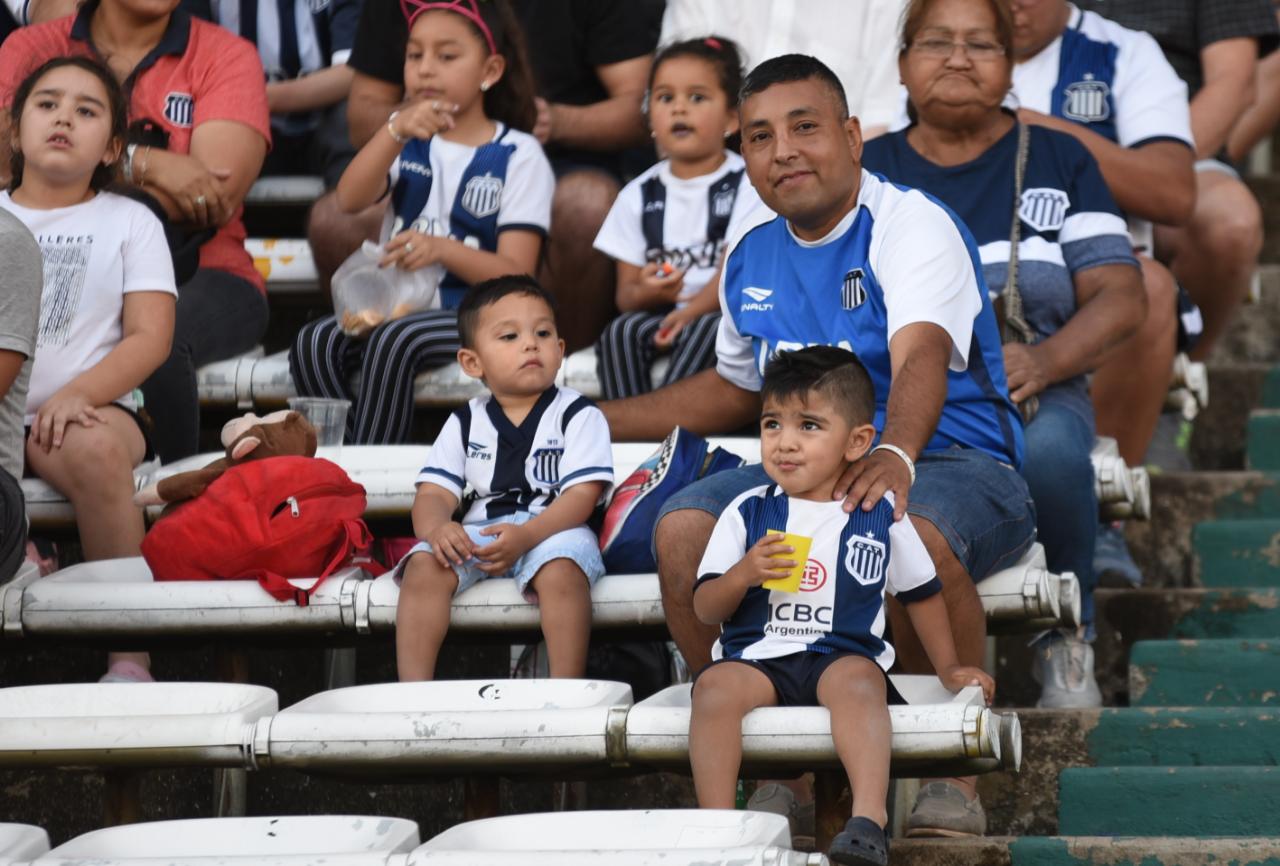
(977, 49)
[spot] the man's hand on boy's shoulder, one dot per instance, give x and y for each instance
(764, 560)
(958, 677)
(510, 542)
(866, 480)
(450, 544)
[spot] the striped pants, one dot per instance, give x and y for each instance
(625, 352)
(323, 360)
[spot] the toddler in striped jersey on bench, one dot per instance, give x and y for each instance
(536, 459)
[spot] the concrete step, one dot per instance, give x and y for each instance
(1128, 616)
(1179, 500)
(1169, 801)
(1255, 333)
(1213, 672)
(1236, 389)
(1237, 552)
(1264, 440)
(1026, 803)
(1084, 851)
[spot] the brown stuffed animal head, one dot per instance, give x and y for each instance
(280, 434)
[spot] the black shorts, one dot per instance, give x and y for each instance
(795, 677)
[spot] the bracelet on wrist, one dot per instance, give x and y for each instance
(906, 458)
(127, 168)
(391, 128)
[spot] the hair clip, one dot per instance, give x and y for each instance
(713, 43)
(466, 8)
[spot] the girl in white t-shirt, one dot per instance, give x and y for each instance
(469, 191)
(107, 309)
(668, 228)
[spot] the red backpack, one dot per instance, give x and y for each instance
(266, 520)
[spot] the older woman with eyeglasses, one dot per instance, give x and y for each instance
(1054, 248)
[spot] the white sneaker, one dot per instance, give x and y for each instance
(1063, 666)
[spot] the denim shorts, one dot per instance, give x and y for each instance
(982, 507)
(578, 544)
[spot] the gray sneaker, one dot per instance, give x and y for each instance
(943, 810)
(1063, 666)
(781, 800)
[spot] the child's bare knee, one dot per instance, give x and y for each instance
(423, 574)
(560, 577)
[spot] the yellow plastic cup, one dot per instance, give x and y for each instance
(800, 543)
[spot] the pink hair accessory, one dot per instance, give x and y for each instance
(466, 8)
(713, 43)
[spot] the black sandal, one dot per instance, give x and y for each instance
(861, 843)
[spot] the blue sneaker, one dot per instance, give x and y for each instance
(1111, 556)
(626, 538)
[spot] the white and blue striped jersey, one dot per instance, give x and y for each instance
(854, 559)
(898, 258)
(1068, 220)
(506, 468)
(471, 194)
(1111, 79)
(685, 222)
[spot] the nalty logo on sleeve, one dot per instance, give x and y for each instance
(482, 196)
(180, 109)
(546, 465)
(1086, 100)
(864, 559)
(1044, 208)
(852, 292)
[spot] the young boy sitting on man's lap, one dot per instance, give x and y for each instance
(823, 645)
(537, 459)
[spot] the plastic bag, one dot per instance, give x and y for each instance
(365, 295)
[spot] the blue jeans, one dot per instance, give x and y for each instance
(1059, 473)
(980, 506)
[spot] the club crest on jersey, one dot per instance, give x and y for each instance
(546, 465)
(852, 292)
(180, 108)
(1086, 100)
(1044, 209)
(482, 196)
(722, 203)
(864, 559)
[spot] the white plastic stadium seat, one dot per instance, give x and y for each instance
(935, 732)
(285, 190)
(470, 726)
(21, 842)
(336, 840)
(1123, 492)
(659, 837)
(285, 264)
(138, 725)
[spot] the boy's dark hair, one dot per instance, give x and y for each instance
(721, 53)
(491, 291)
(835, 373)
(117, 110)
(511, 98)
(794, 67)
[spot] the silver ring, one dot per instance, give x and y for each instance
(200, 200)
(408, 246)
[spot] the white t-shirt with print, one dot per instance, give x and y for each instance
(94, 253)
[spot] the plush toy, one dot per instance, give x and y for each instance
(280, 434)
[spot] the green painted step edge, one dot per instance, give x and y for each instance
(1169, 801)
(1270, 396)
(1216, 672)
(1257, 500)
(1263, 451)
(1086, 851)
(1238, 552)
(1185, 736)
(1190, 613)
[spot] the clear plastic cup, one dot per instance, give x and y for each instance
(329, 417)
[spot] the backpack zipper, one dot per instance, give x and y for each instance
(293, 506)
